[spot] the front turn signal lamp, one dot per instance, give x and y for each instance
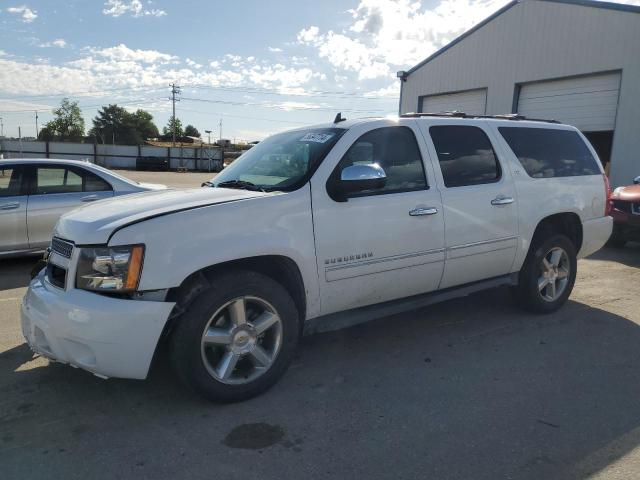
(110, 269)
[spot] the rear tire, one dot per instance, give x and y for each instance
(548, 274)
(237, 338)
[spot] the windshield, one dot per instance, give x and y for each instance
(282, 162)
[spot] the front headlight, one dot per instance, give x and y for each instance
(110, 269)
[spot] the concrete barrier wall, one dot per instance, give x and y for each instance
(111, 156)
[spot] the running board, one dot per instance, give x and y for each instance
(349, 318)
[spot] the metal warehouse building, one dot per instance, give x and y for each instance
(576, 61)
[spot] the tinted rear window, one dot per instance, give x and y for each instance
(546, 152)
(465, 154)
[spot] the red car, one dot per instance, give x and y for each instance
(625, 203)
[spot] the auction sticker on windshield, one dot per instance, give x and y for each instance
(317, 137)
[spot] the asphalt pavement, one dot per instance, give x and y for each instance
(471, 388)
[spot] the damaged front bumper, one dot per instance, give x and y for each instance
(108, 336)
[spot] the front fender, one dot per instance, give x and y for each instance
(182, 243)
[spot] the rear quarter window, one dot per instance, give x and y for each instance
(547, 152)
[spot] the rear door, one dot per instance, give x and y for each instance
(56, 189)
(13, 208)
(479, 201)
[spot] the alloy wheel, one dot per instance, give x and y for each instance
(241, 340)
(554, 274)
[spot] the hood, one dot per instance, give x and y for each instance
(630, 193)
(94, 223)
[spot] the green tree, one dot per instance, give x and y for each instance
(68, 124)
(110, 125)
(114, 124)
(144, 124)
(168, 130)
(191, 131)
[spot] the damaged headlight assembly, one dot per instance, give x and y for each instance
(110, 269)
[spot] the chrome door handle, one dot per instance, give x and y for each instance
(89, 198)
(419, 211)
(9, 206)
(502, 200)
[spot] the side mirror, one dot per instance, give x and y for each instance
(357, 178)
(636, 181)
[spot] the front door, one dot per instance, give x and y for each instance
(479, 198)
(57, 189)
(381, 244)
(13, 209)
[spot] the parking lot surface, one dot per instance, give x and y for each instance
(471, 388)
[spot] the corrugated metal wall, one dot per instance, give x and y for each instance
(538, 40)
(472, 101)
(112, 156)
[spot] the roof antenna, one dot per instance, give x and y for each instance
(339, 118)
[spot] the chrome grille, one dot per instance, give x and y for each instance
(61, 247)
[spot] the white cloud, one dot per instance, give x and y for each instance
(309, 35)
(391, 91)
(102, 69)
(289, 106)
(123, 53)
(116, 8)
(26, 13)
(8, 106)
(387, 34)
(193, 64)
(60, 43)
(275, 49)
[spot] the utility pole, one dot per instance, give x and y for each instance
(175, 90)
(220, 124)
(36, 124)
(1, 128)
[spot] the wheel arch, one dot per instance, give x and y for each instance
(566, 223)
(279, 268)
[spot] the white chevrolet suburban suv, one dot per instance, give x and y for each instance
(311, 230)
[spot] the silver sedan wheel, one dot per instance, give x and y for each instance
(554, 274)
(241, 340)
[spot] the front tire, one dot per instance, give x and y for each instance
(548, 275)
(237, 338)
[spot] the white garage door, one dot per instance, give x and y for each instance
(589, 103)
(472, 102)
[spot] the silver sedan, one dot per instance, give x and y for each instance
(35, 192)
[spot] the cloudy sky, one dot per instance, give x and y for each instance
(260, 66)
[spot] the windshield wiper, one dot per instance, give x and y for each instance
(242, 184)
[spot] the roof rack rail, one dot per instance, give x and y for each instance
(457, 114)
(453, 113)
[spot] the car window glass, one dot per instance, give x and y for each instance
(549, 152)
(10, 181)
(393, 148)
(93, 183)
(57, 180)
(465, 155)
